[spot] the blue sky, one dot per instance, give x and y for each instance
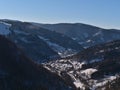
(103, 13)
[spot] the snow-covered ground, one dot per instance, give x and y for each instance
(88, 72)
(4, 28)
(73, 69)
(78, 84)
(63, 52)
(102, 82)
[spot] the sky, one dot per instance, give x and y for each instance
(102, 13)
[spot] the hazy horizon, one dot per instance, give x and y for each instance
(104, 14)
(62, 23)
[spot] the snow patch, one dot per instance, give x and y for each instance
(88, 72)
(78, 84)
(63, 52)
(101, 51)
(4, 28)
(88, 41)
(117, 47)
(77, 65)
(95, 60)
(104, 81)
(98, 33)
(74, 38)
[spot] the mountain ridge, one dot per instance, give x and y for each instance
(86, 35)
(40, 40)
(94, 67)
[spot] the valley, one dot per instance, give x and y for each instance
(61, 56)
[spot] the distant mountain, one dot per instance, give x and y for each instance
(64, 63)
(85, 35)
(90, 69)
(17, 72)
(39, 44)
